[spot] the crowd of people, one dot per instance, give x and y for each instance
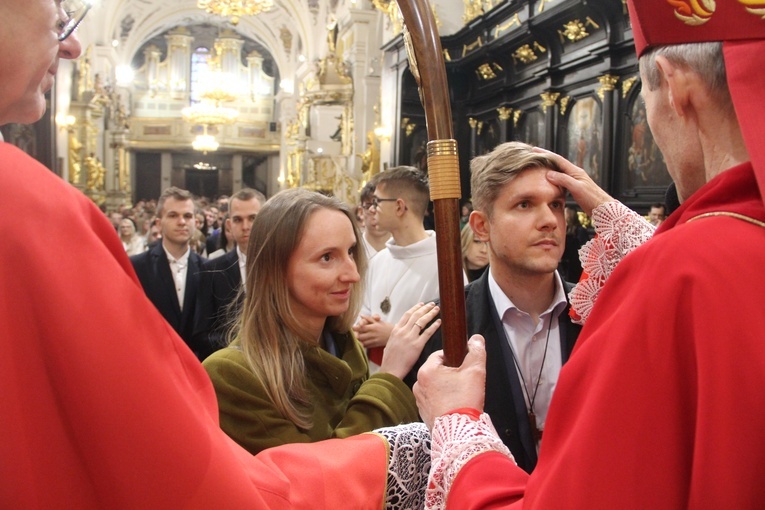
(653, 403)
(209, 221)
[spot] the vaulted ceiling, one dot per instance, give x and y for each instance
(292, 32)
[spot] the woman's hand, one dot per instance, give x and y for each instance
(408, 338)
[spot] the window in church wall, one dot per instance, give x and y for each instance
(199, 69)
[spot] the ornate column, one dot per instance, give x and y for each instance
(120, 192)
(473, 137)
(504, 123)
(549, 100)
(606, 94)
(74, 152)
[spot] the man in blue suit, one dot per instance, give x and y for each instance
(169, 270)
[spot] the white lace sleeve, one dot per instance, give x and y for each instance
(408, 465)
(619, 231)
(457, 438)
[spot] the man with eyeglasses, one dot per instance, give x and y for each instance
(406, 273)
(104, 406)
(75, 11)
(374, 237)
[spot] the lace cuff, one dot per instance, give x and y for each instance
(619, 231)
(457, 438)
(408, 465)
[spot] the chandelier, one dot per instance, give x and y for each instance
(216, 88)
(235, 9)
(209, 113)
(205, 142)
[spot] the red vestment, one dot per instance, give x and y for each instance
(660, 405)
(103, 405)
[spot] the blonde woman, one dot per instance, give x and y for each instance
(295, 372)
(475, 254)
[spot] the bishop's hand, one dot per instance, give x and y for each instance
(440, 389)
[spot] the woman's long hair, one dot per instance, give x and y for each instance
(270, 335)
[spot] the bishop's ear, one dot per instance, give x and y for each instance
(678, 82)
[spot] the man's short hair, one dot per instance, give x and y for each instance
(408, 183)
(366, 194)
(246, 194)
(172, 192)
(489, 173)
(659, 205)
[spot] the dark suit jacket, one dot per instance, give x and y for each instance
(505, 403)
(211, 243)
(153, 271)
(220, 281)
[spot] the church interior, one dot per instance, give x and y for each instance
(216, 95)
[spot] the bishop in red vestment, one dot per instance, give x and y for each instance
(104, 406)
(660, 405)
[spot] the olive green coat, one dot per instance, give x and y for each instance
(346, 400)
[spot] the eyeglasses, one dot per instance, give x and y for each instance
(75, 11)
(376, 202)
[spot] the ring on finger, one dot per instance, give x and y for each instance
(421, 328)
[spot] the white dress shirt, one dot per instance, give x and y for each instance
(528, 342)
(179, 268)
(242, 266)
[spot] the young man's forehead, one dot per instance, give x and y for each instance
(236, 205)
(522, 185)
(179, 204)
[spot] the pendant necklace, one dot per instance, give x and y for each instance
(385, 303)
(531, 398)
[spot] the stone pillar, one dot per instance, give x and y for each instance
(167, 169)
(236, 168)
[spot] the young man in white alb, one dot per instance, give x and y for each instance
(407, 271)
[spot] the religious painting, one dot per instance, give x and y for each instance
(531, 128)
(645, 162)
(585, 136)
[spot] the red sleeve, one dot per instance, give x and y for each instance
(489, 481)
(104, 406)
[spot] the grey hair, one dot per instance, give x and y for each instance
(704, 59)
